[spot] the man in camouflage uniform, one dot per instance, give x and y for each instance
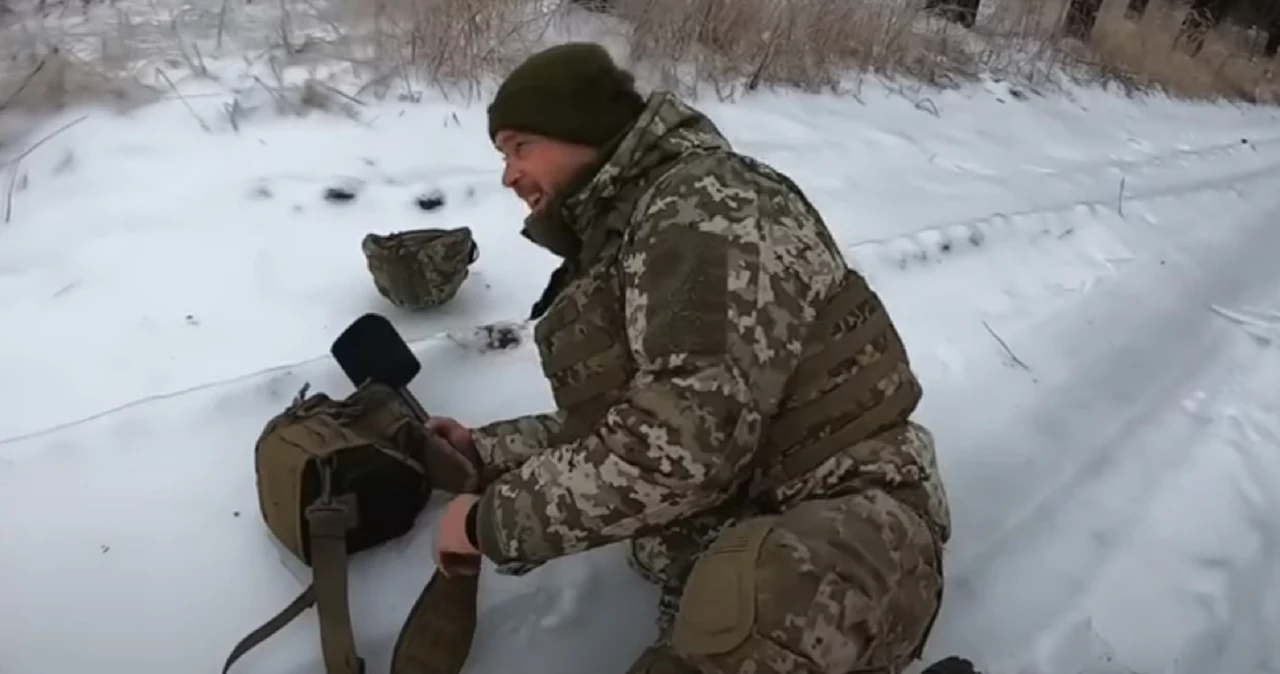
(731, 396)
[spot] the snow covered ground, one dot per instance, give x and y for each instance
(1088, 286)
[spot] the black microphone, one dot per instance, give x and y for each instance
(371, 349)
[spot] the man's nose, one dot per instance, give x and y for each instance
(509, 175)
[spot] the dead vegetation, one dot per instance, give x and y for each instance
(1169, 48)
(728, 45)
(828, 45)
(813, 45)
(55, 80)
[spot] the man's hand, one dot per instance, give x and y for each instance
(452, 462)
(455, 553)
(453, 432)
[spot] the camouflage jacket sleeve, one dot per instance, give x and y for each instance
(503, 445)
(721, 272)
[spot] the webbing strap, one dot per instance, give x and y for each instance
(329, 523)
(264, 631)
(437, 636)
(435, 639)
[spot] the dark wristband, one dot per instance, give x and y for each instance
(472, 535)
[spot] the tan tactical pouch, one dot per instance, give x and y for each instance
(339, 476)
(718, 608)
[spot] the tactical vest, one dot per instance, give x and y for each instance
(853, 382)
(583, 346)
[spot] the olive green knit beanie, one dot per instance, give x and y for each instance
(572, 92)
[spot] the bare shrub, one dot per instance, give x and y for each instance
(808, 44)
(44, 69)
(1026, 19)
(54, 80)
(463, 45)
(1156, 52)
(454, 44)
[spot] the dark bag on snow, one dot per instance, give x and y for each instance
(336, 477)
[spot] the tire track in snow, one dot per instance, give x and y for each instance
(939, 241)
(1258, 602)
(1235, 273)
(1090, 497)
(1237, 588)
(1163, 158)
(1199, 566)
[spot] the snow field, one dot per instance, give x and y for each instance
(1108, 437)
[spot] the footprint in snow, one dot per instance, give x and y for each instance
(430, 201)
(1261, 324)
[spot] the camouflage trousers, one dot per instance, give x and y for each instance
(838, 586)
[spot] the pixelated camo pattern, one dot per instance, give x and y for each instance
(683, 338)
(422, 268)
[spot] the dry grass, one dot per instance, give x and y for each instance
(1151, 54)
(820, 45)
(52, 80)
(808, 44)
(731, 45)
(454, 44)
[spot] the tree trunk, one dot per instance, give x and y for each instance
(1136, 9)
(1272, 26)
(963, 12)
(1204, 16)
(1080, 19)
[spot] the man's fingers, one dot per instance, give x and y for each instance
(449, 429)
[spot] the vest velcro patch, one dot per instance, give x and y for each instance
(686, 278)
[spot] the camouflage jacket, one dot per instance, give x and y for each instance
(708, 345)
